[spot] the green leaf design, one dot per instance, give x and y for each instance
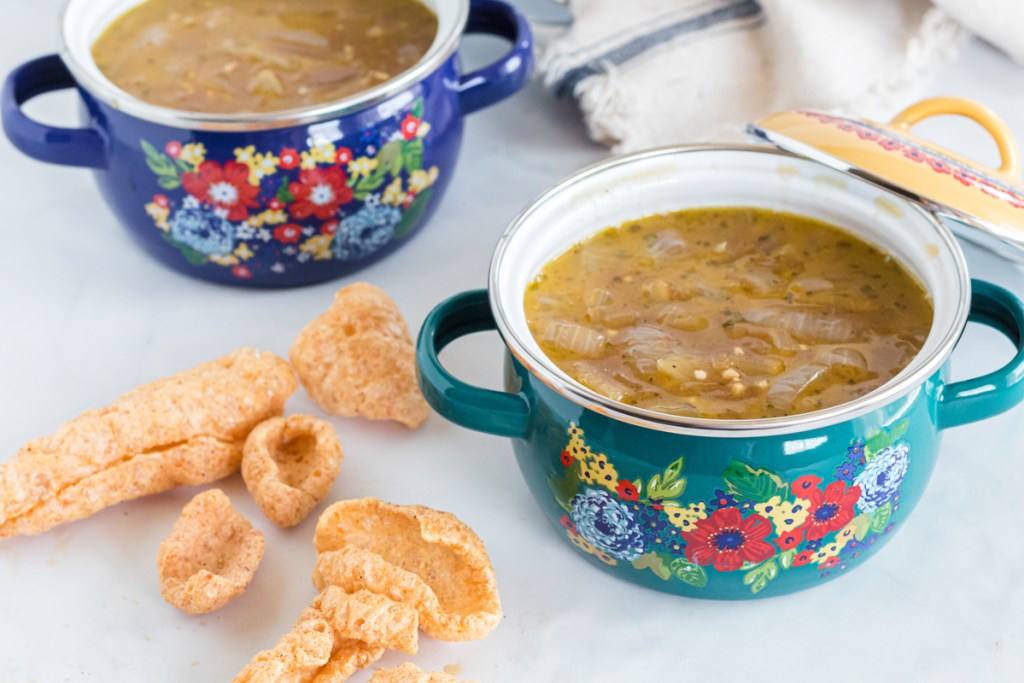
(369, 183)
(758, 577)
(786, 558)
(655, 563)
(880, 518)
(196, 258)
(863, 522)
(417, 108)
(565, 487)
(284, 193)
(689, 573)
(885, 438)
(899, 429)
(411, 216)
(184, 166)
(753, 483)
(390, 157)
(412, 154)
(168, 182)
(162, 165)
(669, 484)
(638, 484)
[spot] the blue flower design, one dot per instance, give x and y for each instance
(204, 231)
(855, 453)
(365, 231)
(882, 477)
(370, 139)
(846, 472)
(723, 499)
(658, 532)
(607, 524)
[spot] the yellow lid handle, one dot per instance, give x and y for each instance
(996, 127)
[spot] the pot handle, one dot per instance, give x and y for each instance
(976, 399)
(52, 144)
(507, 76)
(484, 410)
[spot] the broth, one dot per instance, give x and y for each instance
(733, 313)
(235, 56)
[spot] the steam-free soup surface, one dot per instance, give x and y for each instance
(234, 56)
(728, 313)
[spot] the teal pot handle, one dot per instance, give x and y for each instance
(980, 398)
(484, 410)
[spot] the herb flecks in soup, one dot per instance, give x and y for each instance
(235, 56)
(728, 313)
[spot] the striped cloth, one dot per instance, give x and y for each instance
(655, 72)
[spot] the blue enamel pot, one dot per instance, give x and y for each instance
(724, 509)
(278, 199)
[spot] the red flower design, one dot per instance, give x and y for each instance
(329, 228)
(242, 272)
(288, 158)
(173, 148)
(803, 557)
(275, 204)
(567, 459)
(790, 539)
(410, 125)
(227, 187)
(727, 540)
(830, 562)
(289, 232)
(914, 154)
(890, 144)
(626, 490)
(343, 155)
(567, 523)
(939, 166)
(804, 484)
(831, 510)
(319, 192)
(963, 176)
(161, 200)
(867, 134)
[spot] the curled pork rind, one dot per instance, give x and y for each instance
(410, 673)
(289, 465)
(414, 555)
(374, 619)
(312, 652)
(357, 358)
(181, 430)
(210, 556)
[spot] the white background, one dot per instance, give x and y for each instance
(85, 315)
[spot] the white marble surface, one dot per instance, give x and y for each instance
(85, 316)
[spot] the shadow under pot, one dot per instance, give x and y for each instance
(273, 199)
(660, 500)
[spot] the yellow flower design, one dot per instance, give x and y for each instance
(686, 518)
(222, 260)
(420, 180)
(847, 533)
(244, 155)
(826, 552)
(585, 545)
(319, 247)
(363, 166)
(243, 252)
(268, 217)
(422, 131)
(323, 153)
(594, 467)
(193, 153)
(393, 194)
(159, 215)
(785, 515)
(262, 166)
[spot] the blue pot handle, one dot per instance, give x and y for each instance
(976, 399)
(508, 75)
(65, 146)
(484, 410)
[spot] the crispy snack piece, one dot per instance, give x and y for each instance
(374, 619)
(411, 554)
(210, 556)
(410, 673)
(312, 652)
(357, 359)
(185, 429)
(289, 465)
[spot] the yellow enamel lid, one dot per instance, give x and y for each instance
(986, 205)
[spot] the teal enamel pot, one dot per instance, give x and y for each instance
(723, 509)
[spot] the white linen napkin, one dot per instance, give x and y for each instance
(656, 72)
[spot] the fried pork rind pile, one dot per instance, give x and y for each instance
(210, 556)
(382, 569)
(289, 465)
(410, 673)
(357, 358)
(181, 430)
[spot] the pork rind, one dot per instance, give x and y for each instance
(374, 619)
(357, 358)
(410, 673)
(413, 555)
(181, 430)
(312, 652)
(210, 556)
(289, 465)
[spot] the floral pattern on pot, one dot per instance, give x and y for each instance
(290, 206)
(755, 526)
